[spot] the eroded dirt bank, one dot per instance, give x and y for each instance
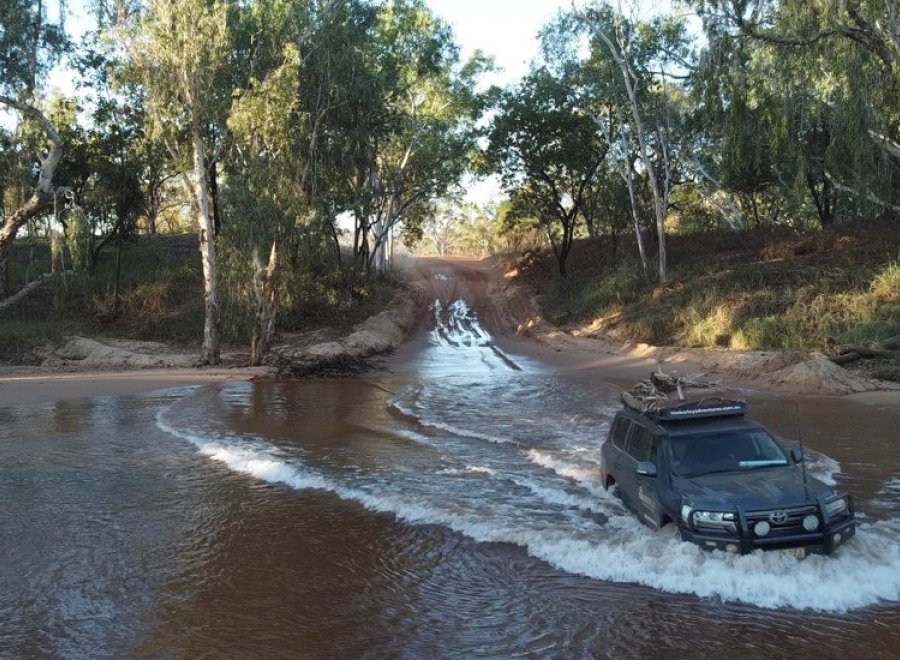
(506, 310)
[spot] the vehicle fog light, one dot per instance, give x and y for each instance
(731, 547)
(762, 528)
(810, 523)
(838, 538)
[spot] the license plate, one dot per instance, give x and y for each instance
(800, 553)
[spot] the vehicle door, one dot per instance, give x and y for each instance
(625, 465)
(648, 487)
(642, 489)
(619, 444)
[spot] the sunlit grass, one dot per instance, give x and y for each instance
(744, 291)
(886, 285)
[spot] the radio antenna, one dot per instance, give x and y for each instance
(802, 450)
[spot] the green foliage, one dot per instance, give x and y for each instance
(78, 240)
(801, 109)
(548, 152)
(30, 43)
(157, 293)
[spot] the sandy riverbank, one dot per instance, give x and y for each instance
(20, 387)
(509, 314)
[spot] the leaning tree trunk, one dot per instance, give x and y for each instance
(44, 192)
(266, 292)
(631, 81)
(627, 175)
(209, 353)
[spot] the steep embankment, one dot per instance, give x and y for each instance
(763, 306)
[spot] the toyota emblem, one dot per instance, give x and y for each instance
(778, 517)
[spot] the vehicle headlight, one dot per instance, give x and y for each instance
(837, 507)
(810, 523)
(715, 519)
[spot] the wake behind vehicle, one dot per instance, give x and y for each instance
(701, 463)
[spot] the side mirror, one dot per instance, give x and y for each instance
(646, 469)
(797, 456)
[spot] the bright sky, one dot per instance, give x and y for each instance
(506, 29)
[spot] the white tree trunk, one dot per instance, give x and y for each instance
(266, 293)
(389, 252)
(44, 195)
(628, 175)
(383, 238)
(659, 208)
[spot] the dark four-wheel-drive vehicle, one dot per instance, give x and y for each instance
(722, 478)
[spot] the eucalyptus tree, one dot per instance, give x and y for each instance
(401, 123)
(833, 69)
(274, 146)
(644, 53)
(434, 109)
(292, 124)
(30, 43)
(180, 48)
(548, 150)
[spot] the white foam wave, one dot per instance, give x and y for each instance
(256, 460)
(560, 497)
(469, 469)
(863, 573)
(891, 486)
(587, 476)
(890, 495)
(822, 467)
(449, 428)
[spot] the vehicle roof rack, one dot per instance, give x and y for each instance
(669, 397)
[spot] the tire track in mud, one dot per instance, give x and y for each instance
(456, 324)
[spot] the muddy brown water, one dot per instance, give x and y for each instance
(447, 507)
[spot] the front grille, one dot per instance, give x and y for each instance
(792, 525)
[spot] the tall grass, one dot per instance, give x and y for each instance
(753, 290)
(159, 297)
(19, 340)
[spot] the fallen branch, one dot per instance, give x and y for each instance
(846, 358)
(28, 288)
(865, 351)
(887, 348)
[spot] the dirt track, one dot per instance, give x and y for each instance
(509, 312)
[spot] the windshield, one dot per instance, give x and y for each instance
(724, 451)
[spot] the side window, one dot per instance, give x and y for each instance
(620, 432)
(641, 444)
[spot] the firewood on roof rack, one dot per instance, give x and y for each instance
(663, 393)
